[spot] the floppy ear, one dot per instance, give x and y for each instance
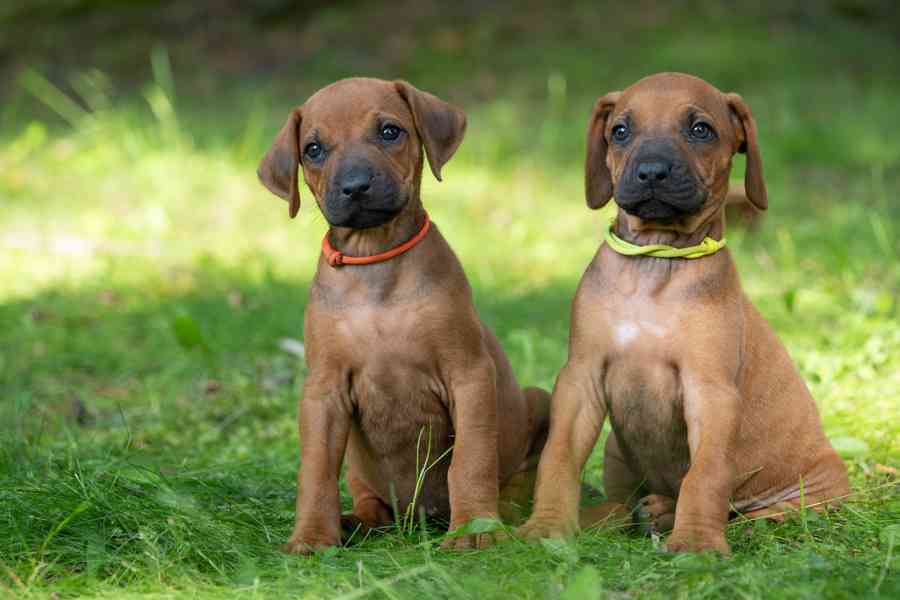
(598, 184)
(440, 125)
(745, 128)
(278, 168)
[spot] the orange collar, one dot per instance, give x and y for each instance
(337, 259)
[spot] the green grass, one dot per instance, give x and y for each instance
(147, 413)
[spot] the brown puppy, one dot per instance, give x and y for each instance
(708, 413)
(395, 349)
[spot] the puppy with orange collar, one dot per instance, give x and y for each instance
(402, 372)
(709, 415)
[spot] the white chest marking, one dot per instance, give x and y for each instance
(625, 332)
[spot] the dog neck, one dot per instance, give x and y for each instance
(650, 275)
(376, 240)
(376, 283)
(643, 233)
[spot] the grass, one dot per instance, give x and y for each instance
(147, 406)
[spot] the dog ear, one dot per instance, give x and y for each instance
(745, 129)
(441, 126)
(278, 168)
(598, 184)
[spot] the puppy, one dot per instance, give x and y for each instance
(403, 375)
(709, 415)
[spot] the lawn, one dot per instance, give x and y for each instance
(148, 282)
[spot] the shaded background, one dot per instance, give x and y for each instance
(152, 292)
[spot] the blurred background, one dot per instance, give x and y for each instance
(152, 292)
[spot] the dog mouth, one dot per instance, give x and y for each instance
(681, 196)
(656, 207)
(366, 216)
(658, 184)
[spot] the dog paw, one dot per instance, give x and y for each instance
(655, 514)
(474, 541)
(689, 541)
(305, 546)
(475, 533)
(536, 529)
(354, 529)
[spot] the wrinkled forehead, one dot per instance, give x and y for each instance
(668, 97)
(352, 103)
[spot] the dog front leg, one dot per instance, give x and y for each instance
(711, 412)
(474, 474)
(576, 417)
(324, 428)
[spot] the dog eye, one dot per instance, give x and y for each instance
(620, 133)
(313, 150)
(390, 133)
(701, 131)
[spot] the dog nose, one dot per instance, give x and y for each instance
(355, 182)
(651, 172)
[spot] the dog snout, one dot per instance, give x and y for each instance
(654, 171)
(658, 183)
(355, 183)
(361, 195)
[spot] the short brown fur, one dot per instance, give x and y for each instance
(396, 349)
(709, 415)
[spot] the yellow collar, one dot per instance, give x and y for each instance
(705, 248)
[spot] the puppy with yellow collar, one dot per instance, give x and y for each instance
(709, 414)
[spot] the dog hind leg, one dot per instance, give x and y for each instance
(622, 486)
(517, 493)
(369, 511)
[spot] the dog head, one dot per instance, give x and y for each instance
(663, 149)
(359, 142)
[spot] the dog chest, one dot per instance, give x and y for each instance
(394, 407)
(645, 404)
(396, 432)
